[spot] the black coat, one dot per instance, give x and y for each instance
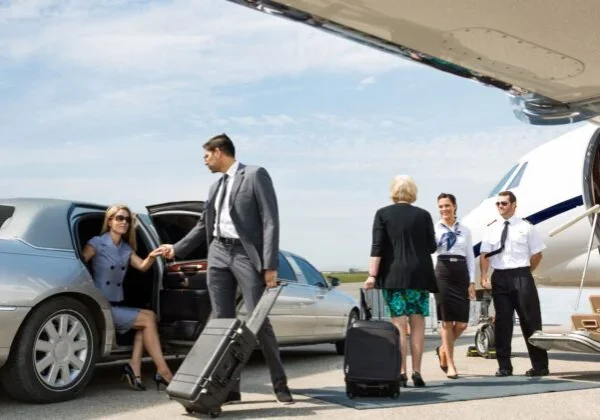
(404, 238)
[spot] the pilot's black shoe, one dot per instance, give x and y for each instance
(537, 372)
(504, 372)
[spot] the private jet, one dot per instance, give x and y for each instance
(543, 57)
(550, 69)
(557, 186)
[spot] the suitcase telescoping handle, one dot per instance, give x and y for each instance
(264, 306)
(367, 304)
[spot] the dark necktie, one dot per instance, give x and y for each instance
(502, 241)
(221, 200)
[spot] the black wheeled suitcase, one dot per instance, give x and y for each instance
(215, 362)
(372, 354)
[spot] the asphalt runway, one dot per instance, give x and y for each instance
(314, 366)
(107, 397)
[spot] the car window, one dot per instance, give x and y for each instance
(503, 181)
(517, 179)
(297, 270)
(6, 213)
(312, 275)
(284, 271)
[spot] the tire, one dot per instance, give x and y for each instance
(54, 380)
(340, 346)
(484, 339)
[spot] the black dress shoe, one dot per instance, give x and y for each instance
(283, 394)
(537, 372)
(504, 372)
(232, 398)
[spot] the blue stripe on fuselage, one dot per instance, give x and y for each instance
(546, 214)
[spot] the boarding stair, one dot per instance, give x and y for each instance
(585, 334)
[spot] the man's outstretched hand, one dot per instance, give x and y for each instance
(169, 251)
(270, 278)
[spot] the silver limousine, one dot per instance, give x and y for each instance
(55, 325)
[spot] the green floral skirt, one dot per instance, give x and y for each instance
(402, 302)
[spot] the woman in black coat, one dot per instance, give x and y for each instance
(401, 265)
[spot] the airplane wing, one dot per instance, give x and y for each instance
(545, 55)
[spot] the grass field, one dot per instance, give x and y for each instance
(346, 277)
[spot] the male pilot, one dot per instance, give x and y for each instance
(513, 248)
(240, 224)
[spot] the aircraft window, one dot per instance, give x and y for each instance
(517, 179)
(505, 178)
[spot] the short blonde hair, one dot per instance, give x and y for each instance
(403, 188)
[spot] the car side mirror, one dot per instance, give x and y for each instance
(334, 281)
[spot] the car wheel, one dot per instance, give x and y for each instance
(340, 346)
(54, 353)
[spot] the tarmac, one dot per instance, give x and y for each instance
(318, 367)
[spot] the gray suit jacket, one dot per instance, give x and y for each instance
(254, 211)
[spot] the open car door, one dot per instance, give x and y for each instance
(184, 304)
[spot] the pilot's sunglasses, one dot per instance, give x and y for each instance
(502, 203)
(120, 218)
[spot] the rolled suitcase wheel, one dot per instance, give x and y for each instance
(395, 395)
(189, 410)
(350, 395)
(214, 414)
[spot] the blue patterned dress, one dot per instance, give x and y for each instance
(109, 266)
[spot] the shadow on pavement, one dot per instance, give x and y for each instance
(106, 395)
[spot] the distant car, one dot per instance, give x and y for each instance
(55, 324)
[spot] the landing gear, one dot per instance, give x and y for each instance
(485, 340)
(485, 337)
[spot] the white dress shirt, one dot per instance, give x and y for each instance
(226, 224)
(521, 243)
(462, 247)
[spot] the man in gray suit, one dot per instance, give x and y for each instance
(241, 225)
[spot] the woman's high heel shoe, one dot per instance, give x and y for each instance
(418, 380)
(403, 380)
(135, 382)
(437, 352)
(160, 380)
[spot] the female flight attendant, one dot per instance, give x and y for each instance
(111, 253)
(455, 276)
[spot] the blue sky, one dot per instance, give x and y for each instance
(110, 101)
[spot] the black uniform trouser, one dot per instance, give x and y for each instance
(514, 290)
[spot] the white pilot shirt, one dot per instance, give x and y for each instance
(521, 243)
(463, 245)
(226, 224)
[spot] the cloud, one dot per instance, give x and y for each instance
(110, 101)
(366, 82)
(329, 180)
(218, 42)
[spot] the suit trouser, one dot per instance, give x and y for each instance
(229, 267)
(514, 290)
